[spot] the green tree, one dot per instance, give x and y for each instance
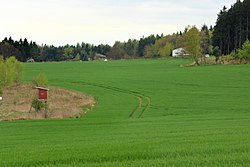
(150, 51)
(10, 71)
(117, 51)
(232, 27)
(159, 46)
(244, 53)
(216, 52)
(193, 43)
(166, 50)
(77, 57)
(131, 47)
(35, 51)
(206, 43)
(67, 53)
(143, 42)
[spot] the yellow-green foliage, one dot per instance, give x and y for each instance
(10, 71)
(193, 43)
(166, 50)
(244, 53)
(41, 80)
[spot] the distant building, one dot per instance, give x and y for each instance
(179, 52)
(100, 57)
(207, 55)
(30, 60)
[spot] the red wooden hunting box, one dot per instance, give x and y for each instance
(42, 94)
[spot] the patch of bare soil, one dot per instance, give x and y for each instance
(17, 99)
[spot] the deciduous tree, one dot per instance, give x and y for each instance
(193, 43)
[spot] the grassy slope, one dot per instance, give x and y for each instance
(197, 117)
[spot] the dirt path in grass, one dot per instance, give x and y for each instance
(138, 95)
(62, 103)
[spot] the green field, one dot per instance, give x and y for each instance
(198, 116)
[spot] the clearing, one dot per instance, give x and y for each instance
(62, 103)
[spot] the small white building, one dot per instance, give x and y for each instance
(100, 57)
(207, 55)
(30, 60)
(179, 52)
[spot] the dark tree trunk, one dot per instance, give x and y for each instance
(240, 35)
(221, 46)
(236, 39)
(228, 40)
(247, 33)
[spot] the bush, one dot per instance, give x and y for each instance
(10, 71)
(216, 53)
(244, 53)
(37, 104)
(230, 57)
(234, 55)
(41, 80)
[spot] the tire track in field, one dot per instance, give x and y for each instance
(138, 95)
(137, 107)
(146, 107)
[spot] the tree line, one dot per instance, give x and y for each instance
(151, 46)
(228, 35)
(161, 45)
(24, 50)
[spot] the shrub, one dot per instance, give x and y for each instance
(216, 53)
(235, 55)
(230, 57)
(41, 80)
(37, 104)
(244, 53)
(10, 71)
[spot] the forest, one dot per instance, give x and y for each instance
(151, 46)
(227, 36)
(232, 27)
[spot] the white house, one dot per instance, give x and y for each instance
(179, 52)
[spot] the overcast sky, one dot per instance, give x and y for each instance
(61, 22)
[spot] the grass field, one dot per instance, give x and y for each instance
(197, 116)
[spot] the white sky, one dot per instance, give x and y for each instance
(62, 22)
